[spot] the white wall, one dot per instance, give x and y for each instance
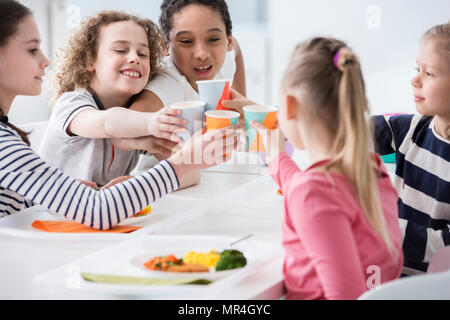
(387, 54)
(29, 109)
(268, 31)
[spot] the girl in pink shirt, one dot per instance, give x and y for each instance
(340, 231)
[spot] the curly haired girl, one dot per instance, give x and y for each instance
(109, 59)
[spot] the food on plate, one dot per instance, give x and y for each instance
(231, 259)
(163, 263)
(198, 261)
(143, 212)
(208, 259)
(189, 267)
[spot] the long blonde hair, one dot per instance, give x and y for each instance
(441, 31)
(336, 92)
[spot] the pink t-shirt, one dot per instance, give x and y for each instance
(331, 251)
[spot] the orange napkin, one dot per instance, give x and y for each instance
(75, 227)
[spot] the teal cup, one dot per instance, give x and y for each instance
(267, 116)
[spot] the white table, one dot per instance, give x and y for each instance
(25, 254)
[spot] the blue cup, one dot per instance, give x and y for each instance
(213, 92)
(192, 111)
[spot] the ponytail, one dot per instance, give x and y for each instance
(353, 141)
(23, 135)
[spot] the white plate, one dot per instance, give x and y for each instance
(121, 260)
(211, 275)
(134, 220)
(163, 211)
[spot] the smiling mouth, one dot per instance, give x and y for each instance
(203, 69)
(131, 74)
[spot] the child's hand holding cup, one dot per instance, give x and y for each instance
(265, 115)
(204, 150)
(167, 124)
(218, 119)
(192, 112)
(273, 140)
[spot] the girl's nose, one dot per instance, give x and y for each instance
(45, 62)
(201, 52)
(133, 57)
(415, 81)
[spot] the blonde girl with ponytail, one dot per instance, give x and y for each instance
(340, 233)
(421, 143)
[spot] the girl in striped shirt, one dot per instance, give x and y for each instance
(421, 143)
(24, 176)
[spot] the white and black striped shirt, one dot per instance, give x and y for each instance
(24, 175)
(422, 179)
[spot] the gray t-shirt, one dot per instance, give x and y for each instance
(82, 158)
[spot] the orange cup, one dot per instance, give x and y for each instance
(218, 119)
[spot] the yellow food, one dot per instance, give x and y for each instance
(207, 259)
(144, 212)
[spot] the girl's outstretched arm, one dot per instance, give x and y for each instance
(24, 175)
(120, 122)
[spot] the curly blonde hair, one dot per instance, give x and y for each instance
(83, 45)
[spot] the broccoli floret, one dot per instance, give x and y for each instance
(231, 259)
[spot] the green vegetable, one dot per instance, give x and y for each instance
(231, 259)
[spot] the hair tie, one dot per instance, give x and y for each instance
(336, 59)
(341, 57)
(4, 119)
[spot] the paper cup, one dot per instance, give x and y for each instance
(218, 119)
(213, 92)
(266, 115)
(192, 111)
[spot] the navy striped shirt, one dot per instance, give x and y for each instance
(422, 179)
(24, 175)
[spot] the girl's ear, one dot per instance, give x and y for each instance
(90, 67)
(291, 107)
(230, 43)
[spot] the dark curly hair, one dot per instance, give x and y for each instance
(170, 7)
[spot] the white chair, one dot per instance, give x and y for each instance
(36, 130)
(433, 285)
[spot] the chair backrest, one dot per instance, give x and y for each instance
(36, 130)
(440, 261)
(435, 286)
